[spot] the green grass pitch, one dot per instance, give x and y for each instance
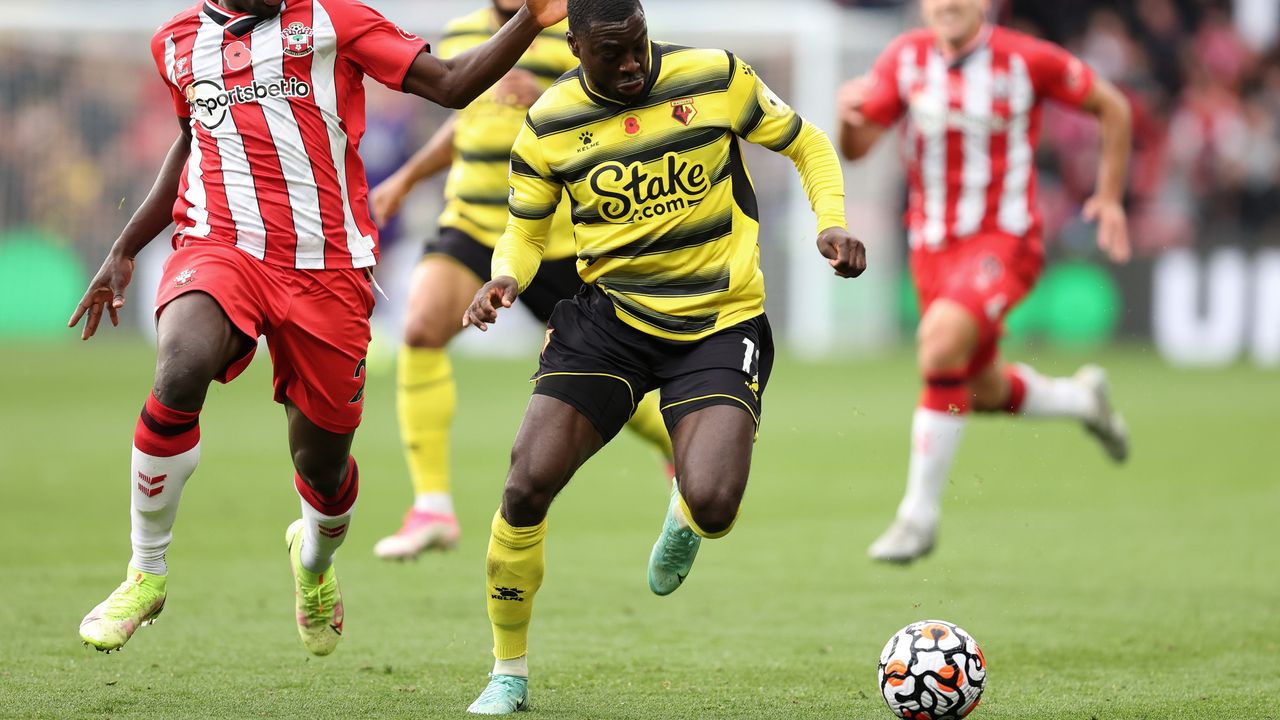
(1149, 591)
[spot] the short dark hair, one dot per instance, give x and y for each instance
(584, 13)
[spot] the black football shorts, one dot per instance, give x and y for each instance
(603, 367)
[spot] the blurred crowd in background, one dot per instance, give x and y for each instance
(85, 122)
(1206, 101)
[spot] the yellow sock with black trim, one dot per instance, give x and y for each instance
(514, 568)
(648, 424)
(688, 518)
(425, 399)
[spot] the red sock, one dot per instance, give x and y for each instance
(164, 432)
(1017, 391)
(341, 501)
(166, 450)
(946, 392)
(326, 519)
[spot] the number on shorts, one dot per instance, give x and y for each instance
(358, 376)
(748, 356)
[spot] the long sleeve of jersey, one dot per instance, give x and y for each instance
(820, 174)
(765, 120)
(534, 195)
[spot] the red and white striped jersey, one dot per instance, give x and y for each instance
(972, 129)
(276, 109)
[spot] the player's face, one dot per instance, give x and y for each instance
(507, 9)
(955, 21)
(261, 8)
(615, 56)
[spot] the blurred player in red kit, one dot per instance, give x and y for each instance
(971, 95)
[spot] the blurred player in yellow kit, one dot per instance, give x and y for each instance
(476, 145)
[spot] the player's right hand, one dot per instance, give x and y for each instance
(850, 98)
(106, 292)
(498, 292)
(385, 199)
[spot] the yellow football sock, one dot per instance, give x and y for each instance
(514, 571)
(425, 398)
(688, 516)
(648, 424)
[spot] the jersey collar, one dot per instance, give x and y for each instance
(655, 67)
(238, 24)
(979, 41)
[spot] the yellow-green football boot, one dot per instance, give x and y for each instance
(317, 599)
(137, 602)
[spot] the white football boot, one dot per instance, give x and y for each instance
(903, 542)
(1106, 425)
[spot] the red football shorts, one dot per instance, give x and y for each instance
(987, 274)
(316, 323)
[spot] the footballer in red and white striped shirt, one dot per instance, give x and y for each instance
(273, 239)
(969, 96)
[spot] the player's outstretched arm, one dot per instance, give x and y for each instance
(457, 81)
(1106, 207)
(437, 154)
(499, 292)
(106, 289)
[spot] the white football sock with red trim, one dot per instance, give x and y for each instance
(326, 519)
(166, 450)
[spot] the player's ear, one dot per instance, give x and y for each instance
(573, 43)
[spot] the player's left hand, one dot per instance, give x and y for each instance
(1113, 227)
(498, 292)
(548, 12)
(843, 251)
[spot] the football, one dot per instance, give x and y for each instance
(932, 670)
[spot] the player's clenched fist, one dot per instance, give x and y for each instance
(844, 252)
(106, 291)
(498, 292)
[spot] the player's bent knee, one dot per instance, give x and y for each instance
(524, 504)
(943, 350)
(431, 334)
(713, 510)
(947, 338)
(181, 383)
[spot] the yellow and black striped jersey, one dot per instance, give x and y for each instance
(476, 189)
(665, 216)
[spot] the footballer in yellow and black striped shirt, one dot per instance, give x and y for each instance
(475, 145)
(644, 140)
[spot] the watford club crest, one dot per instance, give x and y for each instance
(297, 40)
(683, 110)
